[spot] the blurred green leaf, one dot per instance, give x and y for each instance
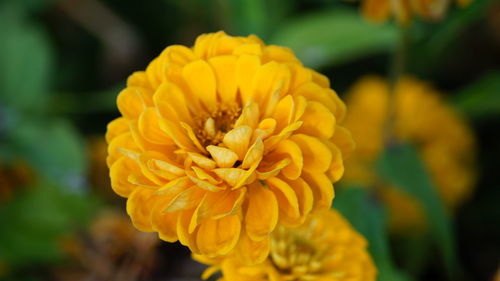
(367, 216)
(446, 32)
(336, 36)
(35, 221)
(258, 17)
(53, 147)
(400, 165)
(481, 98)
(25, 61)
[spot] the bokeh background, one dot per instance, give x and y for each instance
(63, 62)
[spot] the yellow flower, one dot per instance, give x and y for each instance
(324, 248)
(403, 10)
(421, 117)
(220, 142)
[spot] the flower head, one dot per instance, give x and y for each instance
(219, 142)
(325, 247)
(421, 117)
(403, 10)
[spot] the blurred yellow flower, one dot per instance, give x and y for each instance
(13, 177)
(421, 117)
(404, 10)
(324, 248)
(220, 142)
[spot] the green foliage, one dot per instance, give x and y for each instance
(401, 166)
(25, 61)
(368, 217)
(335, 36)
(481, 98)
(52, 147)
(34, 222)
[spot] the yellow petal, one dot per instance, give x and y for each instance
(170, 98)
(249, 116)
(205, 184)
(177, 134)
(266, 128)
(292, 151)
(305, 197)
(116, 128)
(287, 201)
(123, 141)
(219, 204)
(248, 49)
(270, 77)
(132, 101)
(165, 165)
(224, 157)
(119, 172)
(138, 79)
(192, 136)
(218, 236)
(205, 175)
(246, 68)
(139, 208)
(271, 142)
(317, 156)
(320, 79)
(225, 72)
(185, 237)
(343, 140)
(254, 154)
(262, 212)
(202, 160)
(284, 112)
(230, 175)
(336, 169)
(238, 140)
(187, 199)
(267, 172)
(252, 252)
(149, 127)
(173, 188)
(164, 223)
(322, 189)
(201, 80)
(300, 75)
(318, 121)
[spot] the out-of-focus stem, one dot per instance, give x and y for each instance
(396, 70)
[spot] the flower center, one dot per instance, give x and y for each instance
(294, 254)
(212, 127)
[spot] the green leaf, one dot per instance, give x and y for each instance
(368, 217)
(335, 36)
(401, 166)
(255, 16)
(53, 148)
(481, 98)
(36, 220)
(25, 61)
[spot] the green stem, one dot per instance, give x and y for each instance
(397, 69)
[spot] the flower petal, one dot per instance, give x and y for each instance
(149, 127)
(289, 149)
(250, 251)
(238, 140)
(219, 204)
(224, 157)
(318, 121)
(116, 128)
(186, 199)
(254, 154)
(230, 175)
(304, 196)
(218, 236)
(119, 172)
(164, 223)
(287, 201)
(262, 212)
(201, 80)
(132, 101)
(322, 189)
(202, 161)
(139, 208)
(246, 68)
(317, 156)
(225, 73)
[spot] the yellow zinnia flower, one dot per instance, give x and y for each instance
(403, 10)
(220, 142)
(421, 117)
(324, 248)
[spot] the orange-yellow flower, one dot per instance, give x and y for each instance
(220, 142)
(421, 117)
(324, 248)
(403, 10)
